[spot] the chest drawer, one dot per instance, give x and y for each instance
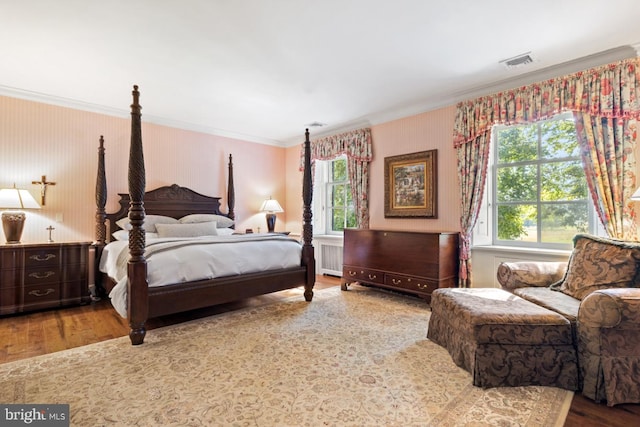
(413, 284)
(362, 274)
(41, 257)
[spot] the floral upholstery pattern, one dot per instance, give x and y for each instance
(609, 345)
(598, 263)
(606, 322)
(514, 275)
(502, 339)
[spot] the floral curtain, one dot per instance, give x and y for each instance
(356, 145)
(610, 92)
(472, 170)
(607, 149)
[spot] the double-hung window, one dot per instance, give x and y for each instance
(333, 202)
(539, 195)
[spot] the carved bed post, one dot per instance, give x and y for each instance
(137, 287)
(308, 258)
(101, 197)
(231, 193)
(101, 216)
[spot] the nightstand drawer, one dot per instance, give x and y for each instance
(40, 257)
(47, 295)
(10, 278)
(43, 276)
(34, 276)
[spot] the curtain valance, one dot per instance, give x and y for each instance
(611, 91)
(355, 144)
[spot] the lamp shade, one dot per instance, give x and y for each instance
(271, 205)
(15, 198)
(636, 195)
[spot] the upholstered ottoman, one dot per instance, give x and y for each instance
(502, 339)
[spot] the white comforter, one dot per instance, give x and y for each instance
(214, 256)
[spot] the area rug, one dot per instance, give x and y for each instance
(355, 358)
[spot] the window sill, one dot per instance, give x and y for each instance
(520, 250)
(329, 236)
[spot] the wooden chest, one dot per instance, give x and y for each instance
(414, 262)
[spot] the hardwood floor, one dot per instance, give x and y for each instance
(33, 334)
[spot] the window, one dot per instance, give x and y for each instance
(540, 196)
(333, 203)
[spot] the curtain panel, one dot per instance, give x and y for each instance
(357, 146)
(606, 104)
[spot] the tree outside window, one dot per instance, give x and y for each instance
(340, 208)
(540, 189)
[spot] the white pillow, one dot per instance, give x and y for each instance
(187, 230)
(223, 221)
(150, 222)
(225, 231)
(124, 235)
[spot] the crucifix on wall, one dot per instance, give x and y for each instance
(43, 183)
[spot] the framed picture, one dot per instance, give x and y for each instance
(410, 182)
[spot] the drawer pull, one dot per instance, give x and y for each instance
(396, 281)
(44, 275)
(47, 257)
(352, 273)
(372, 276)
(421, 286)
(39, 293)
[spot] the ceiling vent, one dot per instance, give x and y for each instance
(316, 124)
(518, 61)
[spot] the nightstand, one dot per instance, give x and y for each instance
(44, 275)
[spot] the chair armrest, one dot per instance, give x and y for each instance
(611, 308)
(512, 275)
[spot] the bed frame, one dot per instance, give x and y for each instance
(145, 302)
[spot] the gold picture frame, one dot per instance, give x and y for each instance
(410, 182)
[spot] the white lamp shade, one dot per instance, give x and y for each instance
(14, 198)
(636, 195)
(271, 205)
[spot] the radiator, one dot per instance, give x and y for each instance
(329, 258)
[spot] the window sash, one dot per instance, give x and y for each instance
(535, 198)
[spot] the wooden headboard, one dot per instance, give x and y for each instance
(172, 200)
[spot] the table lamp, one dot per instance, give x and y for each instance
(13, 222)
(271, 206)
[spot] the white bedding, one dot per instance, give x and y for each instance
(216, 256)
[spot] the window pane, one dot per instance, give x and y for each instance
(517, 222)
(337, 198)
(352, 221)
(558, 139)
(562, 181)
(517, 144)
(560, 222)
(339, 170)
(517, 184)
(337, 222)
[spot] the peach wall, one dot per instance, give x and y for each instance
(40, 139)
(426, 131)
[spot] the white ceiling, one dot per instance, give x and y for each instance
(263, 70)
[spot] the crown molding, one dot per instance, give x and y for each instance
(569, 67)
(12, 92)
(434, 102)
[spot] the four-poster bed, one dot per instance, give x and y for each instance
(144, 301)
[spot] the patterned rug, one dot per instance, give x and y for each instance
(356, 358)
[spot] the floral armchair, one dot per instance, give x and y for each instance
(598, 292)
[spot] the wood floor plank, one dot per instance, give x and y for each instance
(28, 335)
